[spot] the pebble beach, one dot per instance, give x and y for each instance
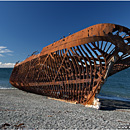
(22, 110)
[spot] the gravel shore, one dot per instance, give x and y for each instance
(22, 110)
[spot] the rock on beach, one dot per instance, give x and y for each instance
(22, 110)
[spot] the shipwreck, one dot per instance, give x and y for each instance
(75, 68)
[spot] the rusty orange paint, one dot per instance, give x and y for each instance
(76, 67)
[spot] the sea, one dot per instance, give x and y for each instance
(117, 86)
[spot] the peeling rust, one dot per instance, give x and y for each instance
(75, 67)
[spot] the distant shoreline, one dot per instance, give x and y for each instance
(6, 68)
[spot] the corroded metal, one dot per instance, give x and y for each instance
(75, 68)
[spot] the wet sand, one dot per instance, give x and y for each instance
(22, 110)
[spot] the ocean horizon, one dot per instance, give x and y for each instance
(117, 87)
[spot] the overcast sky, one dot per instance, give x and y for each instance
(29, 26)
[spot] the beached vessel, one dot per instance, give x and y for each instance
(75, 68)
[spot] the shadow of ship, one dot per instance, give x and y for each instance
(107, 104)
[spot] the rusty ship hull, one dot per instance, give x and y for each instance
(75, 68)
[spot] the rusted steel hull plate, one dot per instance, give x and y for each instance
(75, 68)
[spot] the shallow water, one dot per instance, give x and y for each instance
(116, 87)
(4, 78)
